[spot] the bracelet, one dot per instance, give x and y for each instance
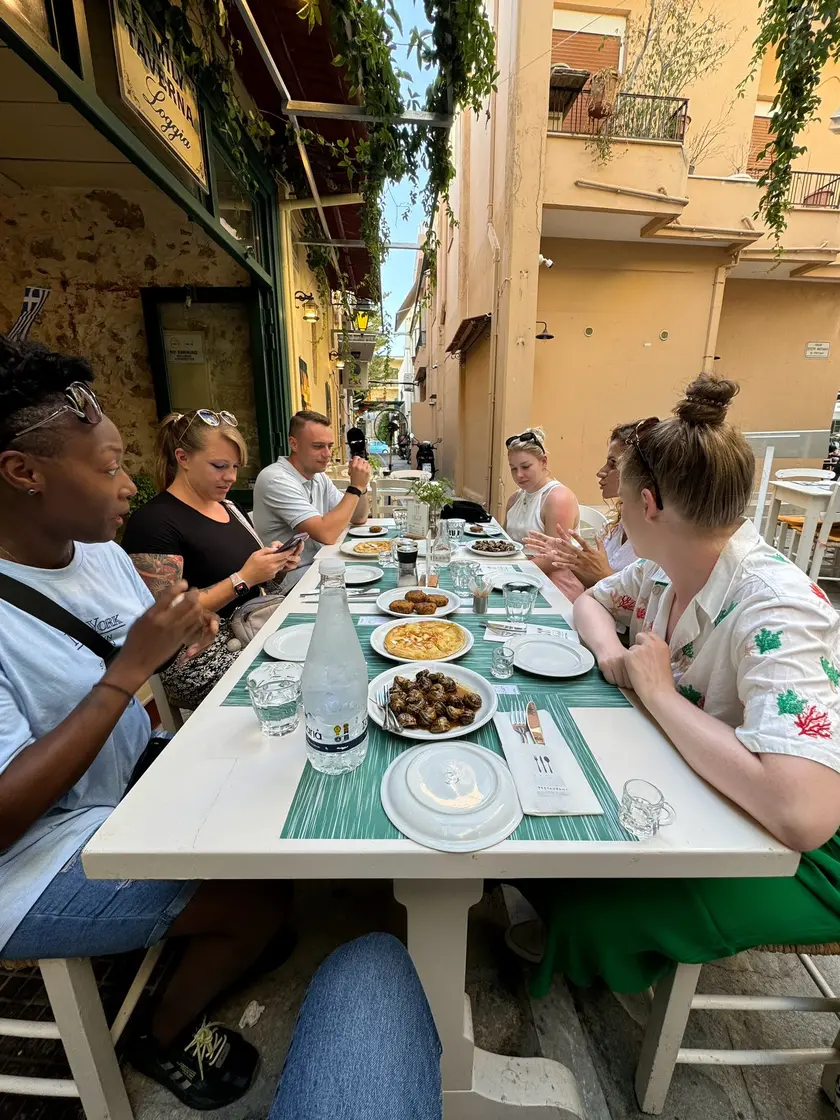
(116, 688)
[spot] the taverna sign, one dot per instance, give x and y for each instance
(156, 87)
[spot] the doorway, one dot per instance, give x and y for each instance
(207, 350)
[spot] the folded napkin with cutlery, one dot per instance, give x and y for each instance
(501, 631)
(536, 769)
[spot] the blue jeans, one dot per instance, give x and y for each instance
(365, 1045)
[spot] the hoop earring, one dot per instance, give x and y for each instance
(32, 490)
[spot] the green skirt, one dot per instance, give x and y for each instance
(630, 932)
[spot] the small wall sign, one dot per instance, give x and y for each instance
(817, 349)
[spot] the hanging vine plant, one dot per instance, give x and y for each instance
(461, 48)
(803, 36)
(199, 36)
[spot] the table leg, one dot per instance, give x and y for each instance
(477, 1085)
(770, 523)
(806, 537)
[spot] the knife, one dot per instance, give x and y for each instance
(534, 725)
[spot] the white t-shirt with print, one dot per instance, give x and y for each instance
(283, 498)
(44, 675)
(758, 647)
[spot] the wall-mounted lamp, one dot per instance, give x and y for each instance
(834, 122)
(361, 316)
(310, 308)
(544, 334)
(337, 358)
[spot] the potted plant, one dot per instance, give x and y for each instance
(434, 494)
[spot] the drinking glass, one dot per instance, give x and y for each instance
(400, 516)
(501, 663)
(275, 696)
(481, 584)
(644, 809)
(520, 597)
(461, 572)
(455, 529)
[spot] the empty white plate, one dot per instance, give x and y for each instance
(291, 644)
(357, 574)
(549, 656)
(452, 797)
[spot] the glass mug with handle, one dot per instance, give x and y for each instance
(644, 809)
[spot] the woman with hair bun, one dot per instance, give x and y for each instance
(736, 655)
(191, 531)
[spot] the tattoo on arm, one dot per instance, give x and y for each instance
(157, 570)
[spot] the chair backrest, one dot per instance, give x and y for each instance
(592, 519)
(831, 515)
(805, 474)
(170, 718)
(408, 474)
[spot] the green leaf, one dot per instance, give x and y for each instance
(338, 60)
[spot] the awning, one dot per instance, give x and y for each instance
(468, 332)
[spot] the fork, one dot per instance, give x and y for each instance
(391, 722)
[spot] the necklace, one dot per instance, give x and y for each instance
(11, 555)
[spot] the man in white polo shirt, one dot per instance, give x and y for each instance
(294, 494)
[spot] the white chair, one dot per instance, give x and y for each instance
(171, 719)
(81, 1027)
(409, 474)
(591, 518)
(804, 474)
(792, 523)
(827, 538)
(675, 997)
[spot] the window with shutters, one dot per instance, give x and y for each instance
(584, 51)
(761, 134)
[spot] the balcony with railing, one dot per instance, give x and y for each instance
(636, 116)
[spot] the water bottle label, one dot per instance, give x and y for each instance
(334, 738)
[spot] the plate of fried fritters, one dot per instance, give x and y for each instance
(423, 601)
(429, 701)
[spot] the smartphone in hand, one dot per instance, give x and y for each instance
(293, 542)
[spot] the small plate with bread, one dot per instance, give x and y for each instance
(423, 601)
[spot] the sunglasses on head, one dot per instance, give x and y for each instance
(213, 419)
(526, 437)
(642, 429)
(81, 402)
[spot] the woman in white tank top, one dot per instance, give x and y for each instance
(541, 503)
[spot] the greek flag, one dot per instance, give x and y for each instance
(33, 300)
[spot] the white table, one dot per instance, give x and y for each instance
(213, 807)
(813, 498)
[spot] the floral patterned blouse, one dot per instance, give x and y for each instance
(758, 647)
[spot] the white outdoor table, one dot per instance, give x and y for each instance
(813, 498)
(214, 804)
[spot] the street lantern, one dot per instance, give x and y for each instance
(834, 122)
(362, 318)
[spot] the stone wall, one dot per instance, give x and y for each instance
(96, 249)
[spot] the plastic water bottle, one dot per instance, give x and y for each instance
(334, 685)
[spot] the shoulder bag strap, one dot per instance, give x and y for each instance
(243, 520)
(27, 599)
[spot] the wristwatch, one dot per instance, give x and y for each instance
(354, 490)
(240, 587)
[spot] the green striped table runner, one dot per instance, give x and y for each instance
(349, 807)
(588, 691)
(388, 582)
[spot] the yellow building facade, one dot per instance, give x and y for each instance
(660, 267)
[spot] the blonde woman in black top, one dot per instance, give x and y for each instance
(191, 531)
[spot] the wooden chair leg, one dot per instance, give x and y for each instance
(80, 1018)
(663, 1036)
